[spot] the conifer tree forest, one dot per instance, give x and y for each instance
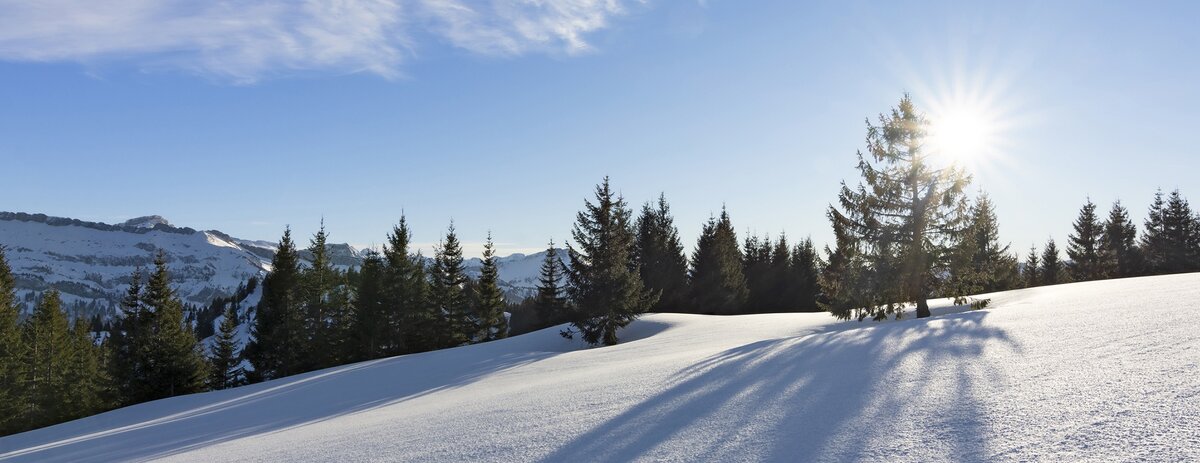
(908, 230)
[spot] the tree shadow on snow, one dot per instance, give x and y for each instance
(817, 397)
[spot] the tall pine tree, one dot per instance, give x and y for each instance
(447, 290)
(89, 382)
(550, 303)
(1053, 272)
(660, 258)
(370, 318)
(981, 263)
(1083, 245)
(756, 265)
(277, 333)
(48, 364)
(12, 351)
(129, 345)
(805, 277)
(717, 279)
(1172, 238)
(906, 214)
(1031, 271)
(326, 309)
(1119, 251)
(225, 360)
(490, 321)
(410, 319)
(177, 364)
(606, 288)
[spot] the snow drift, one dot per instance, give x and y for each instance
(1100, 371)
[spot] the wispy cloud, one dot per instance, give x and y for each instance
(243, 41)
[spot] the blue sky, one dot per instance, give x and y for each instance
(502, 115)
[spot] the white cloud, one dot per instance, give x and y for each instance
(243, 41)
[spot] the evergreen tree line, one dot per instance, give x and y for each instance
(621, 267)
(314, 315)
(55, 370)
(723, 276)
(1112, 248)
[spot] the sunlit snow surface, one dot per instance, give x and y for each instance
(1102, 371)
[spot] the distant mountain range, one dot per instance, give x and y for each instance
(90, 262)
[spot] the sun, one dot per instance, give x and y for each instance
(961, 133)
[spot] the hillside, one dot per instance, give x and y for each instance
(1099, 371)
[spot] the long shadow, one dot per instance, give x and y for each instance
(170, 426)
(816, 397)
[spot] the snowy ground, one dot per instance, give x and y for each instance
(1102, 371)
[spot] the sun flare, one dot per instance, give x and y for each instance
(961, 133)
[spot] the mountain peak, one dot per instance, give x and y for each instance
(148, 221)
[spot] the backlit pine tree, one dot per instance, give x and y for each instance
(905, 215)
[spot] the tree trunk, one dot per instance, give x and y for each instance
(922, 308)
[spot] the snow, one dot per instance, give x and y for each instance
(89, 264)
(1099, 371)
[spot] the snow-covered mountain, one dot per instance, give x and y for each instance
(90, 262)
(1097, 371)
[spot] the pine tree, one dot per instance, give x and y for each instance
(842, 274)
(13, 400)
(756, 266)
(805, 277)
(717, 279)
(659, 255)
(224, 359)
(1118, 244)
(1172, 238)
(410, 319)
(89, 382)
(1052, 271)
(551, 302)
(781, 276)
(1032, 269)
(980, 263)
(325, 308)
(177, 363)
(490, 321)
(447, 284)
(129, 345)
(906, 215)
(370, 317)
(1083, 246)
(46, 333)
(606, 289)
(276, 336)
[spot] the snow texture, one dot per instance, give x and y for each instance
(1100, 371)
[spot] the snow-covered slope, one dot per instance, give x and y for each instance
(1101, 371)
